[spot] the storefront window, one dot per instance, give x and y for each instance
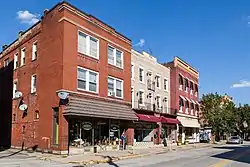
(144, 132)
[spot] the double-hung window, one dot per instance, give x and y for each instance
(115, 87)
(33, 83)
(34, 51)
(88, 45)
(165, 84)
(158, 80)
(14, 89)
(141, 97)
(141, 75)
(23, 52)
(16, 61)
(6, 62)
(115, 57)
(87, 80)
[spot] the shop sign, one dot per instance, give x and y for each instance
(114, 128)
(87, 125)
(112, 134)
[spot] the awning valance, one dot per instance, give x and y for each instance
(189, 122)
(148, 118)
(193, 101)
(188, 100)
(183, 98)
(170, 120)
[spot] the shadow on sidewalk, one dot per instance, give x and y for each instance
(110, 161)
(14, 153)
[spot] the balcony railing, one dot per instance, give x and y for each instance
(151, 85)
(143, 106)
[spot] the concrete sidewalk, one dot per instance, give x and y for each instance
(111, 156)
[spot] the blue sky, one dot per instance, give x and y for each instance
(212, 36)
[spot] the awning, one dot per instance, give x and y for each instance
(87, 107)
(197, 103)
(148, 118)
(188, 100)
(189, 122)
(193, 101)
(182, 97)
(170, 120)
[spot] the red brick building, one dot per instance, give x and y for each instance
(72, 52)
(184, 81)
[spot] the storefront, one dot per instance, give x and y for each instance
(189, 129)
(98, 125)
(169, 129)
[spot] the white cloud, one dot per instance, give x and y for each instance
(27, 17)
(141, 43)
(242, 84)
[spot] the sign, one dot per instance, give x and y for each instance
(114, 128)
(112, 134)
(87, 125)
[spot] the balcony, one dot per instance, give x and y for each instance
(139, 105)
(151, 85)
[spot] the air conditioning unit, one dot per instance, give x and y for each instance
(111, 93)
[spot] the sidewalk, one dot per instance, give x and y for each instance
(111, 156)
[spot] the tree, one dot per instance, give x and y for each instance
(243, 119)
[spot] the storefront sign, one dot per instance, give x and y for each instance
(112, 134)
(114, 128)
(87, 125)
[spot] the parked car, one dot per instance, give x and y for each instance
(235, 140)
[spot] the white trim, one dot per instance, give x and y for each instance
(193, 101)
(23, 55)
(165, 78)
(188, 99)
(15, 60)
(114, 54)
(33, 57)
(88, 44)
(33, 89)
(188, 116)
(143, 97)
(14, 90)
(183, 98)
(132, 71)
(87, 80)
(122, 88)
(143, 75)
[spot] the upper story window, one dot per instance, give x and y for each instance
(180, 82)
(88, 45)
(87, 80)
(181, 104)
(191, 87)
(141, 97)
(187, 106)
(34, 51)
(33, 83)
(14, 89)
(158, 101)
(158, 81)
(192, 108)
(6, 62)
(115, 87)
(23, 54)
(115, 57)
(165, 84)
(141, 75)
(16, 61)
(186, 84)
(196, 89)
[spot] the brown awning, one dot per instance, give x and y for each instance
(101, 109)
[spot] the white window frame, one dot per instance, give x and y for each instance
(114, 90)
(165, 105)
(186, 109)
(143, 97)
(132, 71)
(181, 107)
(114, 55)
(143, 74)
(159, 100)
(87, 80)
(15, 61)
(159, 77)
(14, 89)
(191, 90)
(34, 57)
(165, 79)
(88, 44)
(33, 89)
(23, 56)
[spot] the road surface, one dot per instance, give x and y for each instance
(221, 156)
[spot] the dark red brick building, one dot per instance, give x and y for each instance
(184, 94)
(72, 52)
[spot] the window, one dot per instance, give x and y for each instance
(36, 114)
(16, 61)
(196, 89)
(158, 101)
(141, 97)
(181, 104)
(88, 45)
(6, 62)
(115, 57)
(87, 80)
(187, 106)
(192, 108)
(14, 89)
(23, 57)
(33, 83)
(191, 87)
(14, 117)
(115, 87)
(132, 71)
(165, 84)
(180, 82)
(141, 75)
(34, 51)
(158, 80)
(55, 125)
(186, 84)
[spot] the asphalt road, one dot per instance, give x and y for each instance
(221, 156)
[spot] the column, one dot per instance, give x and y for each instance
(130, 136)
(183, 134)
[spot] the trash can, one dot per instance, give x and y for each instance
(95, 149)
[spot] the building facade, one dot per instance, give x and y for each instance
(151, 100)
(76, 54)
(184, 98)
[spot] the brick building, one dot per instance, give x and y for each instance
(184, 81)
(72, 52)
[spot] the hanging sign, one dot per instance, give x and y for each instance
(114, 128)
(87, 125)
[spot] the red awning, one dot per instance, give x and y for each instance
(148, 118)
(170, 120)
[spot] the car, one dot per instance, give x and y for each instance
(235, 140)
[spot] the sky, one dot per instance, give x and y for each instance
(213, 36)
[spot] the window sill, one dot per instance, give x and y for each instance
(115, 66)
(84, 54)
(115, 97)
(87, 91)
(33, 59)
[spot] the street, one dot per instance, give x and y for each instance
(220, 156)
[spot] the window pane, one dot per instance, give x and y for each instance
(110, 55)
(118, 93)
(92, 77)
(141, 74)
(118, 58)
(118, 88)
(118, 84)
(110, 84)
(93, 47)
(92, 86)
(81, 74)
(82, 84)
(82, 41)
